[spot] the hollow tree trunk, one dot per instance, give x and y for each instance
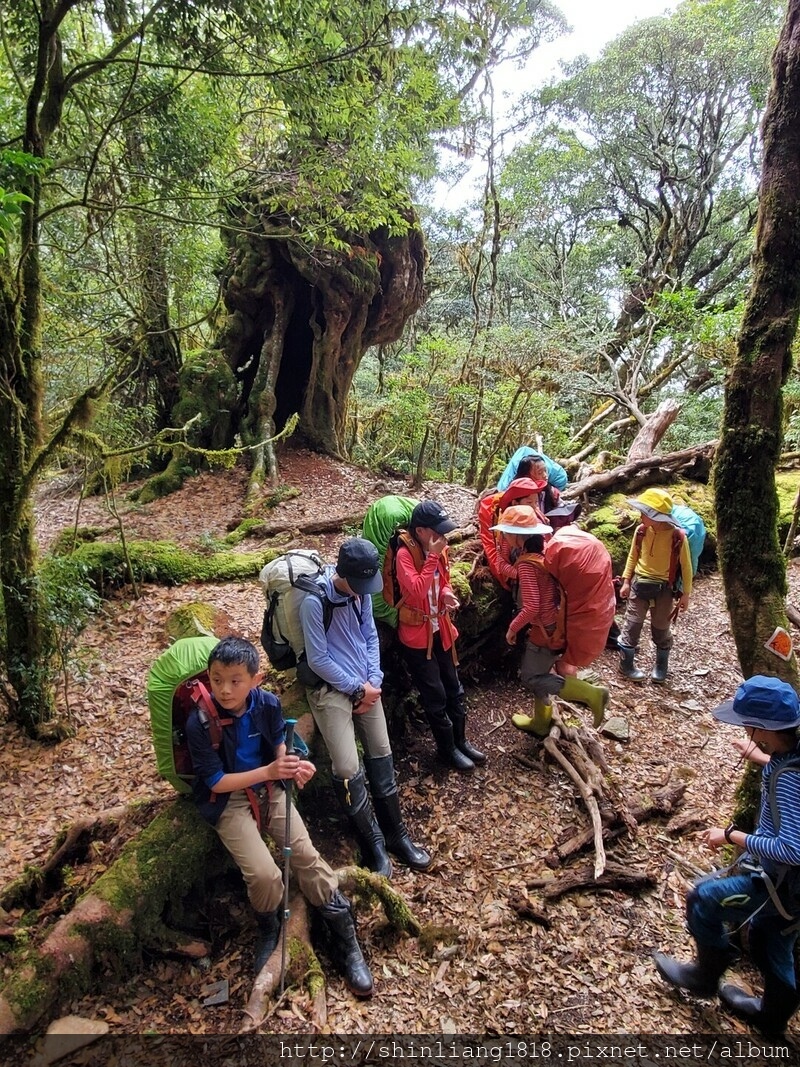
(752, 565)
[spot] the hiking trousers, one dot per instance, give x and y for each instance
(333, 714)
(660, 608)
(263, 877)
(535, 671)
(718, 901)
(437, 681)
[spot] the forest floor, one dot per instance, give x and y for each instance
(590, 972)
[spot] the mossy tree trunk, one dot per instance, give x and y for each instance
(746, 500)
(26, 444)
(21, 424)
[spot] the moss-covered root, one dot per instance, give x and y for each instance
(305, 969)
(110, 925)
(370, 887)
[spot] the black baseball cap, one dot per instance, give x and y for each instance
(360, 566)
(432, 514)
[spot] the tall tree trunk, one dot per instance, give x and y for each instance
(746, 500)
(26, 652)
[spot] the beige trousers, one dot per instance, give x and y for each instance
(262, 875)
(333, 714)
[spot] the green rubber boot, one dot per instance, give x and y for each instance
(595, 697)
(539, 724)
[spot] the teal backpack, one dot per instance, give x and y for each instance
(695, 530)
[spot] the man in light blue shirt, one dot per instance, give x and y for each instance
(346, 656)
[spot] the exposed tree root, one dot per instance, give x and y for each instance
(121, 915)
(302, 963)
(73, 844)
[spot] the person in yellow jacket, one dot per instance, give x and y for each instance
(658, 572)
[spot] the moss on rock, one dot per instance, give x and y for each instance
(192, 620)
(68, 540)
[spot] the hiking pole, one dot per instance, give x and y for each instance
(287, 851)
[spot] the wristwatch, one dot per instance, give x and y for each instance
(357, 695)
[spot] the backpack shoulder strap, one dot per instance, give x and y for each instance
(405, 538)
(309, 584)
(678, 537)
(207, 710)
(792, 764)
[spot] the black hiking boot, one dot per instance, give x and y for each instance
(353, 796)
(337, 915)
(769, 1013)
(386, 802)
(626, 665)
(700, 976)
(447, 751)
(459, 720)
(659, 675)
(269, 928)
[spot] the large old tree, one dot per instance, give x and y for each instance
(746, 501)
(300, 318)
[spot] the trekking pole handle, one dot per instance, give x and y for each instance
(289, 741)
(289, 736)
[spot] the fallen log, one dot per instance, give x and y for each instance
(694, 463)
(614, 877)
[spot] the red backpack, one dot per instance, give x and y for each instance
(581, 565)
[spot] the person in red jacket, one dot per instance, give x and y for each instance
(428, 634)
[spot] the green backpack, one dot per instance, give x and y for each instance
(176, 683)
(382, 520)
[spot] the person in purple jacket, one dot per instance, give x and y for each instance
(763, 885)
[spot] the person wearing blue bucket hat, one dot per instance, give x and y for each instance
(762, 886)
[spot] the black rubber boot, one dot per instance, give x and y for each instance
(769, 1013)
(702, 975)
(446, 748)
(337, 915)
(458, 717)
(353, 796)
(626, 665)
(386, 801)
(659, 675)
(269, 929)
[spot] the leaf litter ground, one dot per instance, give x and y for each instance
(489, 971)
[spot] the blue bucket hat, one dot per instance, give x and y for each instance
(764, 702)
